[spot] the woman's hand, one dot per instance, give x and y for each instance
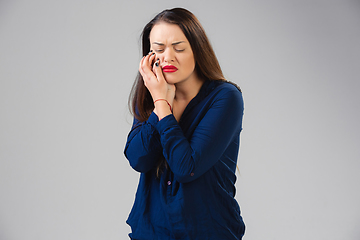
(155, 82)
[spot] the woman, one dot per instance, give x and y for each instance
(185, 137)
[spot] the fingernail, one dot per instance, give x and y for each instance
(157, 63)
(153, 54)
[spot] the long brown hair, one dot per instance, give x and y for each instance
(206, 64)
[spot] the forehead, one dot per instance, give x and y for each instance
(166, 33)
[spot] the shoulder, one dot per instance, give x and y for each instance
(225, 89)
(224, 96)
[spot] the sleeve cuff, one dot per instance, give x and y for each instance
(153, 119)
(166, 123)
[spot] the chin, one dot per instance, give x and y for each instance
(172, 80)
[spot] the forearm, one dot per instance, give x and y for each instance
(143, 148)
(190, 158)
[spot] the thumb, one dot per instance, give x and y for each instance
(157, 70)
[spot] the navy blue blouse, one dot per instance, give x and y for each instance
(193, 199)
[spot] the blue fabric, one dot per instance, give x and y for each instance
(193, 199)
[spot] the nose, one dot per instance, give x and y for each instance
(168, 55)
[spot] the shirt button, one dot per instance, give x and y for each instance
(192, 174)
(169, 183)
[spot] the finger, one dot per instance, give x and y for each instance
(141, 63)
(151, 58)
(146, 64)
(145, 68)
(157, 70)
(141, 67)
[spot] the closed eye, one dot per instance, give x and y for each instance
(179, 50)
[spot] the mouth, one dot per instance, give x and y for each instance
(169, 68)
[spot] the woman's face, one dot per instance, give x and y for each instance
(174, 51)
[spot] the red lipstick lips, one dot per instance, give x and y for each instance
(169, 68)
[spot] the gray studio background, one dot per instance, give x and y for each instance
(66, 69)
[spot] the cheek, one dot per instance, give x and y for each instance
(190, 63)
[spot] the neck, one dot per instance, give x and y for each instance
(187, 90)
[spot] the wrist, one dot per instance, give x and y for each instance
(162, 108)
(164, 100)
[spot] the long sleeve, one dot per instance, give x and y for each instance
(222, 122)
(198, 184)
(143, 148)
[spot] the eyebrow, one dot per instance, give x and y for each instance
(161, 44)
